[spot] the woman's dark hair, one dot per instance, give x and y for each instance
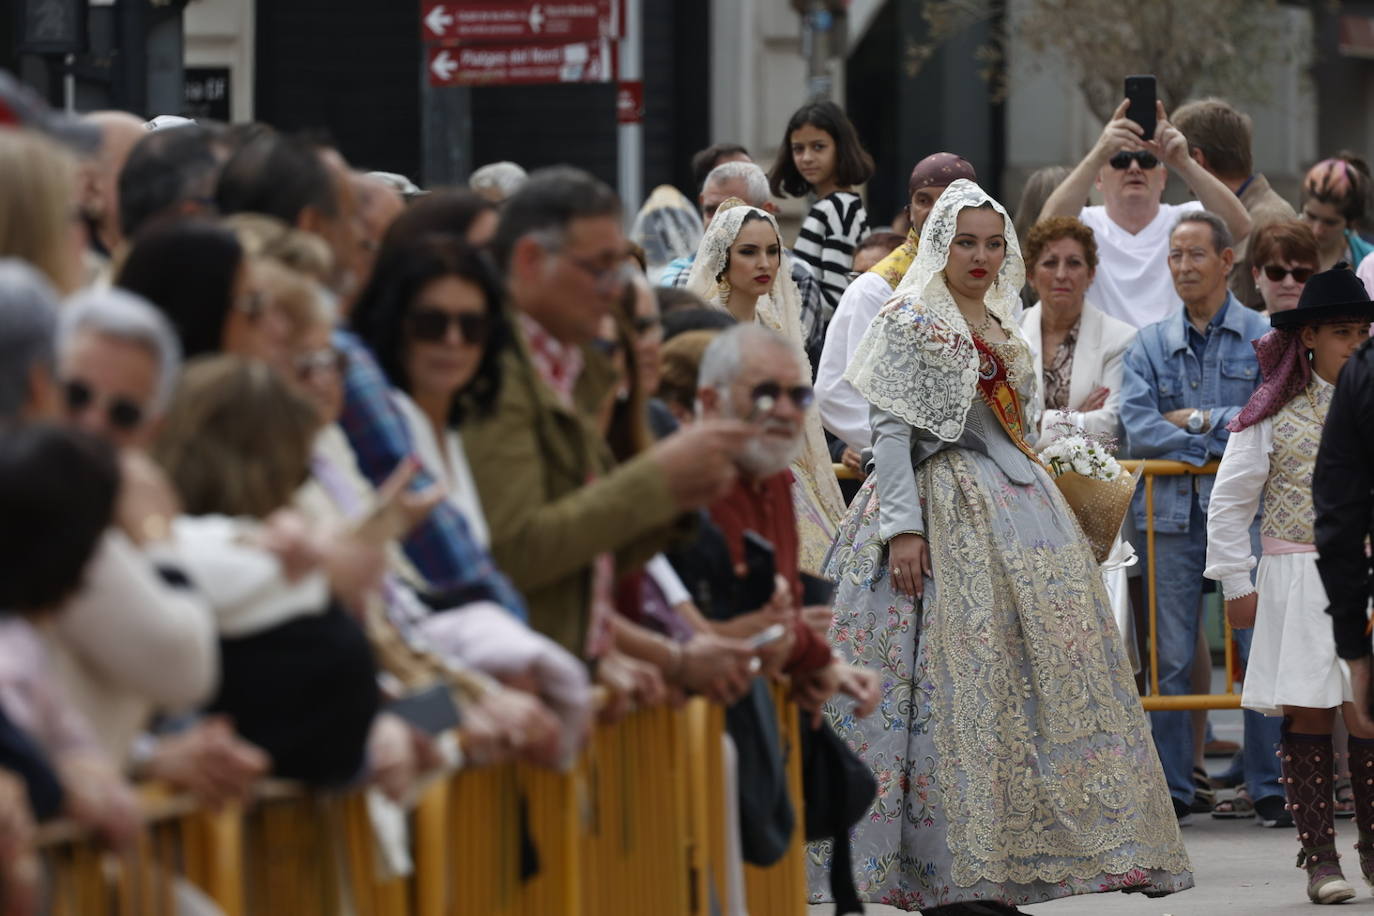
(853, 164)
(58, 486)
(628, 432)
(188, 269)
(448, 212)
(380, 314)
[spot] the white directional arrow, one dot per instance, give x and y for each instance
(438, 21)
(444, 66)
(536, 19)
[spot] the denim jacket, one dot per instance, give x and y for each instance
(1162, 374)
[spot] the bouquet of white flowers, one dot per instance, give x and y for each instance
(1094, 484)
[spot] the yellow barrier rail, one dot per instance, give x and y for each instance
(637, 825)
(1150, 469)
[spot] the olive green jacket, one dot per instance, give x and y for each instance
(555, 500)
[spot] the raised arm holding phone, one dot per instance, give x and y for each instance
(1126, 165)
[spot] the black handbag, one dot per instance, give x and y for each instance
(838, 788)
(766, 816)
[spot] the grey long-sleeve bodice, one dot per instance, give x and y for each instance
(899, 448)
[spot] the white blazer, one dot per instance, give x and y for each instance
(1098, 360)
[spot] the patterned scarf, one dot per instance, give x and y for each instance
(1285, 370)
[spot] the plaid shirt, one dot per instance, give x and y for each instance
(813, 325)
(442, 547)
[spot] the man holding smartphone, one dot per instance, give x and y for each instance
(1127, 165)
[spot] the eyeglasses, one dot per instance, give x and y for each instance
(326, 359)
(431, 326)
(801, 395)
(123, 414)
(1122, 160)
(607, 279)
(1275, 273)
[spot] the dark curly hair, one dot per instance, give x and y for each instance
(1052, 230)
(379, 317)
(853, 164)
(58, 486)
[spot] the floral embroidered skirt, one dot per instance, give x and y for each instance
(1013, 758)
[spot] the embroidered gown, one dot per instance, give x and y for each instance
(1012, 755)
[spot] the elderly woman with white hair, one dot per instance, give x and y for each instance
(118, 362)
(497, 180)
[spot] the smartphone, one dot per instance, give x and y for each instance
(1140, 94)
(431, 710)
(761, 567)
(767, 636)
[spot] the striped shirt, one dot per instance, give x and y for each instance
(826, 244)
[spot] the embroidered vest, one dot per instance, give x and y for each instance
(1297, 428)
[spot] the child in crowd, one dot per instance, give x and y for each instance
(821, 155)
(1293, 669)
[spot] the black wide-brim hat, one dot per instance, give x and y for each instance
(1332, 295)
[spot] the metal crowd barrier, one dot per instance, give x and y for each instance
(1149, 470)
(637, 825)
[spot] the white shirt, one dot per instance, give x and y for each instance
(1236, 497)
(1133, 282)
(844, 412)
(450, 469)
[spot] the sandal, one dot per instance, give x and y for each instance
(1204, 795)
(1345, 798)
(1235, 808)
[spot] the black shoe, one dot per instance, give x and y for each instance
(1269, 812)
(1184, 811)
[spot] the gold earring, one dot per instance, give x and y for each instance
(723, 286)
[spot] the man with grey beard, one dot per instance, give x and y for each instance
(754, 374)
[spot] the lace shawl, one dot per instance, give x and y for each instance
(780, 310)
(917, 359)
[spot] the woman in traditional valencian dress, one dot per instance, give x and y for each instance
(1011, 751)
(1293, 669)
(741, 268)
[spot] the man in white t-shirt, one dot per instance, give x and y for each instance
(1132, 228)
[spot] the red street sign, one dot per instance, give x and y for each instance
(629, 102)
(508, 65)
(507, 21)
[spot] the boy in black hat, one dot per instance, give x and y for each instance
(1293, 668)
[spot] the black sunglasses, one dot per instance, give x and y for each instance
(432, 325)
(122, 413)
(1275, 273)
(800, 395)
(1122, 160)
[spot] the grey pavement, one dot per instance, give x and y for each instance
(1239, 869)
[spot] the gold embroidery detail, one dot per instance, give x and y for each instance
(1047, 776)
(1297, 429)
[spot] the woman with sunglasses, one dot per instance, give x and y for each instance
(1012, 756)
(1132, 225)
(741, 269)
(1285, 255)
(432, 314)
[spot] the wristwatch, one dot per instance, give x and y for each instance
(1195, 422)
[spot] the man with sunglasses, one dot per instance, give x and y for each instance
(1132, 225)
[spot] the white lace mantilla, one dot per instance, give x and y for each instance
(917, 359)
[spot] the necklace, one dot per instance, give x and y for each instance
(1312, 402)
(982, 327)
